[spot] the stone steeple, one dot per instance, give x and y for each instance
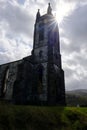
(38, 15)
(49, 10)
(47, 55)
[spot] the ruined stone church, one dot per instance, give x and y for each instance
(37, 79)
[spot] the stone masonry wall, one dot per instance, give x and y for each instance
(7, 77)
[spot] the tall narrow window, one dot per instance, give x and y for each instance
(40, 78)
(4, 83)
(41, 31)
(41, 54)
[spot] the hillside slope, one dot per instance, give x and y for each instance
(76, 97)
(42, 118)
(80, 92)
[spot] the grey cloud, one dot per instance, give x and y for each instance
(75, 25)
(75, 78)
(21, 1)
(14, 53)
(17, 25)
(77, 1)
(76, 84)
(18, 19)
(75, 30)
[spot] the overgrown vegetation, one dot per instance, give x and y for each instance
(74, 100)
(14, 117)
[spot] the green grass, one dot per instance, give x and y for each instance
(14, 117)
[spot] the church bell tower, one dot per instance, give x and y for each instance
(46, 52)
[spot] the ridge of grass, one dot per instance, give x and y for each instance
(15, 117)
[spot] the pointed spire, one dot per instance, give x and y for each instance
(38, 15)
(49, 10)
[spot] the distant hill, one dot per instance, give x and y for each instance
(78, 92)
(76, 97)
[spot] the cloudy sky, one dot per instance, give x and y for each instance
(17, 19)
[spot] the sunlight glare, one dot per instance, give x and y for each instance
(63, 9)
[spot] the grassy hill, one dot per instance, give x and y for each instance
(75, 97)
(42, 118)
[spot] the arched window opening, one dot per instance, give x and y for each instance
(40, 54)
(4, 82)
(40, 78)
(40, 72)
(41, 31)
(56, 56)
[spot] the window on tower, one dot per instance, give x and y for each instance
(40, 70)
(40, 54)
(41, 31)
(4, 82)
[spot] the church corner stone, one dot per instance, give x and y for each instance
(39, 78)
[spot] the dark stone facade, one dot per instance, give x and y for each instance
(37, 79)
